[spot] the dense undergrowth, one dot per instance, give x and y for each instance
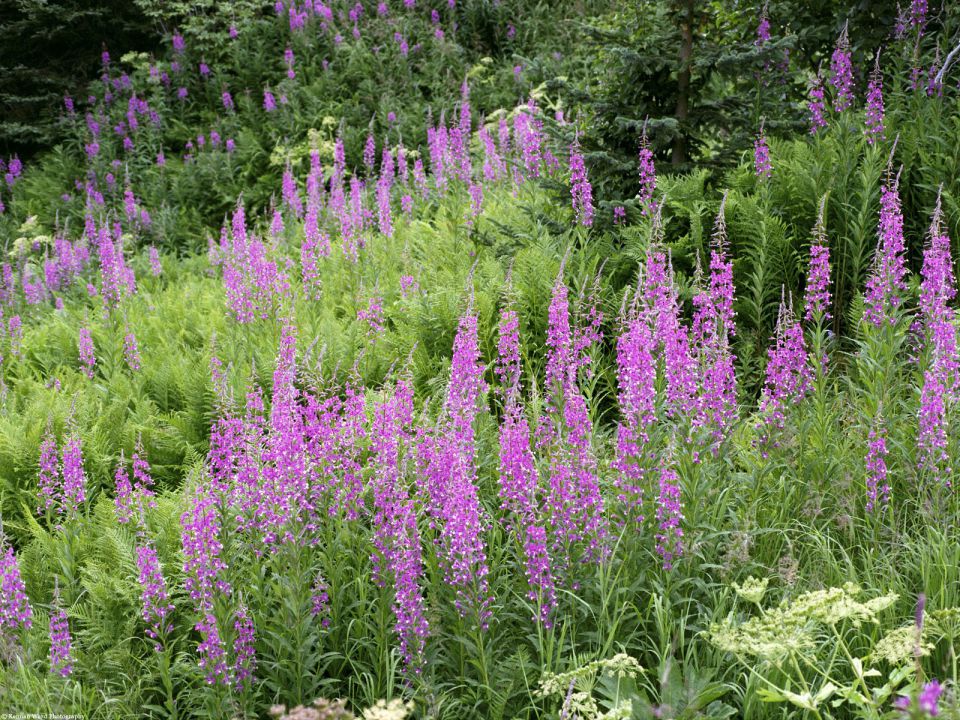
(328, 372)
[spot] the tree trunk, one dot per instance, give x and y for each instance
(683, 82)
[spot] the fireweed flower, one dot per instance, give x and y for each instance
(283, 499)
(476, 199)
(788, 376)
(291, 196)
(574, 502)
(934, 85)
(448, 458)
(252, 281)
(817, 296)
(918, 14)
(123, 500)
(370, 153)
(886, 284)
(334, 426)
(316, 243)
(276, 224)
(320, 600)
(876, 466)
(408, 285)
(203, 570)
(929, 697)
(437, 145)
(669, 514)
(761, 156)
(203, 565)
(154, 257)
(143, 483)
(403, 170)
(15, 610)
(420, 178)
(373, 314)
(636, 376)
(246, 659)
(269, 102)
(384, 185)
(841, 69)
(528, 138)
(648, 174)
(49, 475)
(580, 187)
(494, 166)
(763, 28)
(928, 700)
(940, 377)
(131, 351)
(74, 478)
(661, 305)
(397, 556)
(713, 329)
(519, 482)
(153, 594)
(212, 651)
(874, 110)
(61, 660)
(937, 289)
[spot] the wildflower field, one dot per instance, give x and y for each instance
(555, 359)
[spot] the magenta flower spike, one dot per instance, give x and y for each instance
(580, 188)
(61, 657)
(937, 290)
(49, 475)
(245, 656)
(15, 610)
(841, 69)
(761, 155)
(763, 28)
(397, 557)
(788, 378)
(817, 296)
(714, 327)
(669, 514)
(648, 174)
(636, 376)
(74, 477)
(448, 459)
(153, 594)
(574, 502)
(520, 491)
(878, 489)
(874, 109)
(886, 284)
(131, 350)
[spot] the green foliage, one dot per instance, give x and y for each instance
(52, 48)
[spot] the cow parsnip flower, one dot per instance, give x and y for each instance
(752, 589)
(620, 665)
(900, 646)
(792, 626)
(396, 709)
